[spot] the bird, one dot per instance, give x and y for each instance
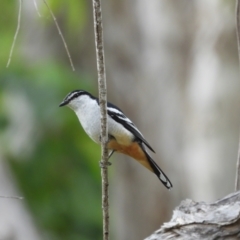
(123, 136)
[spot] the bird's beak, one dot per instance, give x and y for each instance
(63, 103)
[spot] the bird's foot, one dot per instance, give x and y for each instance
(103, 165)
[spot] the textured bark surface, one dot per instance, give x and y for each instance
(102, 87)
(200, 220)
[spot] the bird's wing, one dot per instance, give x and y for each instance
(116, 114)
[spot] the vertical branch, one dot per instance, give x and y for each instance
(237, 182)
(98, 30)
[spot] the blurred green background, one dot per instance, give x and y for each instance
(56, 167)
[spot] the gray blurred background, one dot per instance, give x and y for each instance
(172, 67)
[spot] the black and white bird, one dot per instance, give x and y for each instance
(123, 135)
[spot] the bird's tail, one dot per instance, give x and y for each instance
(157, 170)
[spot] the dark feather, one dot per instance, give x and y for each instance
(157, 170)
(127, 123)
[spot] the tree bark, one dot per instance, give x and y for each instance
(102, 86)
(200, 220)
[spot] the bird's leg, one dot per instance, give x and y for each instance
(112, 150)
(108, 163)
(109, 155)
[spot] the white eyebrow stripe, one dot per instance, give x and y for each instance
(71, 95)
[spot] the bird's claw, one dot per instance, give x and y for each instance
(103, 165)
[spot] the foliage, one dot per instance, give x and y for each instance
(57, 167)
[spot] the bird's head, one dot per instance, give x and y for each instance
(75, 99)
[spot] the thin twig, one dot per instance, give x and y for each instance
(16, 33)
(60, 33)
(36, 7)
(237, 182)
(12, 197)
(102, 85)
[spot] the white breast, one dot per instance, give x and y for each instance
(88, 113)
